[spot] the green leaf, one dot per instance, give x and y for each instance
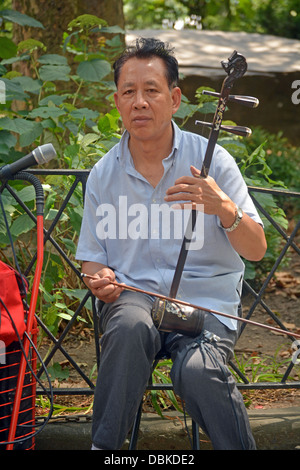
(13, 91)
(30, 45)
(112, 29)
(89, 139)
(57, 372)
(93, 70)
(184, 110)
(53, 213)
(86, 113)
(20, 18)
(207, 108)
(51, 73)
(18, 125)
(12, 60)
(53, 59)
(75, 215)
(28, 84)
(109, 122)
(2, 70)
(27, 194)
(28, 137)
(78, 294)
(65, 316)
(86, 21)
(69, 244)
(8, 139)
(55, 99)
(8, 48)
(72, 150)
(21, 225)
(46, 112)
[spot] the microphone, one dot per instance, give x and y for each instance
(39, 156)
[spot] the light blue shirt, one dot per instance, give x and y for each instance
(129, 227)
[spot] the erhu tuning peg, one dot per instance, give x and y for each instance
(249, 101)
(237, 130)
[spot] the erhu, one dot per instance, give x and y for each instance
(169, 316)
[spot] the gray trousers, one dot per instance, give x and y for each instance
(129, 344)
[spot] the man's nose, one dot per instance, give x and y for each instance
(140, 100)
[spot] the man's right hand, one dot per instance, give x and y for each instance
(101, 287)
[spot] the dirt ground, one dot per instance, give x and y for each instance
(257, 349)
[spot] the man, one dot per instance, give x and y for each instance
(156, 165)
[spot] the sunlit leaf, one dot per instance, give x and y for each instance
(93, 70)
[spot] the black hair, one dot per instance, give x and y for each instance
(145, 48)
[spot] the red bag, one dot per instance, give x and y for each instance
(13, 289)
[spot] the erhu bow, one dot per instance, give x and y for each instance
(189, 305)
(235, 68)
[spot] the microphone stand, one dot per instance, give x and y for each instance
(22, 175)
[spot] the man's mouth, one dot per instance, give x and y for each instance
(141, 119)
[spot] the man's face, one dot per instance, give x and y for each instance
(144, 100)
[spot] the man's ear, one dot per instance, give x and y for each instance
(176, 97)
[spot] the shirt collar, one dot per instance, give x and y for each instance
(124, 155)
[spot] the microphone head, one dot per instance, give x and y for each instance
(44, 153)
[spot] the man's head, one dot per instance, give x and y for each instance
(147, 96)
(146, 48)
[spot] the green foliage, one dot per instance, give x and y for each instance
(65, 99)
(20, 18)
(151, 13)
(280, 155)
(257, 369)
(278, 17)
(281, 18)
(162, 400)
(257, 173)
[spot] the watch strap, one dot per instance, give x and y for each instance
(238, 218)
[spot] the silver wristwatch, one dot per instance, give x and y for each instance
(238, 218)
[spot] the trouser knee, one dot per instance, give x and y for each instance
(198, 370)
(128, 323)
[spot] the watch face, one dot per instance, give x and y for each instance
(239, 212)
